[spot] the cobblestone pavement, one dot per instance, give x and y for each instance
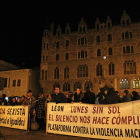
(15, 134)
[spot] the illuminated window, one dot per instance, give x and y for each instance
(124, 84)
(136, 83)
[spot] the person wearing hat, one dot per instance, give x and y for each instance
(31, 102)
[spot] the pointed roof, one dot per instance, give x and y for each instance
(125, 16)
(97, 21)
(108, 19)
(82, 22)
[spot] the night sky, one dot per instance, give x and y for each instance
(23, 24)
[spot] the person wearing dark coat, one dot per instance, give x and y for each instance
(102, 94)
(112, 97)
(3, 100)
(135, 96)
(14, 102)
(58, 97)
(89, 97)
(126, 96)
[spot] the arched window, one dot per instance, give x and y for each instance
(98, 38)
(109, 37)
(128, 49)
(76, 85)
(126, 35)
(57, 44)
(56, 85)
(56, 73)
(111, 69)
(14, 83)
(88, 84)
(82, 54)
(66, 73)
(124, 84)
(42, 74)
(129, 67)
(136, 83)
(67, 56)
(82, 71)
(66, 86)
(57, 57)
(99, 70)
(98, 52)
(67, 43)
(110, 51)
(18, 82)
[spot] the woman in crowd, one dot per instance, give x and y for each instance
(78, 95)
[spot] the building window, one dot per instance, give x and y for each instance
(66, 73)
(98, 38)
(99, 70)
(126, 35)
(111, 69)
(57, 45)
(88, 84)
(98, 52)
(82, 41)
(56, 85)
(109, 37)
(67, 31)
(44, 45)
(76, 85)
(66, 86)
(110, 51)
(67, 43)
(47, 45)
(124, 84)
(9, 83)
(82, 54)
(14, 83)
(66, 56)
(42, 74)
(45, 74)
(129, 67)
(57, 57)
(136, 83)
(56, 73)
(46, 58)
(18, 82)
(128, 49)
(82, 71)
(5, 82)
(43, 58)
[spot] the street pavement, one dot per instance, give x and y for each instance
(16, 134)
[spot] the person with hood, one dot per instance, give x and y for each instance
(112, 97)
(101, 96)
(126, 96)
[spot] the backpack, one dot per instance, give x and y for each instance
(97, 100)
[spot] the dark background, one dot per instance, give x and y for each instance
(23, 24)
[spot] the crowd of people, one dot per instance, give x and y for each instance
(37, 107)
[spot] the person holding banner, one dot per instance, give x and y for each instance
(78, 96)
(58, 97)
(30, 101)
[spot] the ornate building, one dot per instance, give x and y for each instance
(104, 56)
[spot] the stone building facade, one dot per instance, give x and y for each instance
(107, 55)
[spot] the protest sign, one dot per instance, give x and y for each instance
(110, 121)
(14, 116)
